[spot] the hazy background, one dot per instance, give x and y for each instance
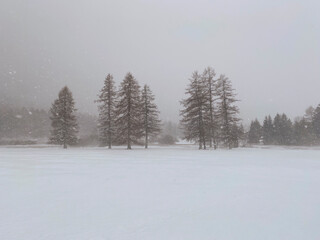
(269, 49)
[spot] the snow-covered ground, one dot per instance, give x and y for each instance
(175, 193)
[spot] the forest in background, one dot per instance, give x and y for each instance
(32, 126)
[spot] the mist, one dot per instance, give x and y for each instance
(159, 119)
(269, 49)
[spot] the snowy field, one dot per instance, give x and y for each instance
(162, 193)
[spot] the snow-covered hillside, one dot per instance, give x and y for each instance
(162, 193)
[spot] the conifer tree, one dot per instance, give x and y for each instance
(268, 131)
(255, 132)
(277, 129)
(107, 100)
(129, 120)
(63, 120)
(283, 132)
(308, 115)
(227, 111)
(316, 123)
(193, 111)
(151, 121)
(287, 130)
(237, 134)
(208, 78)
(303, 134)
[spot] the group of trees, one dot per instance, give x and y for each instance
(209, 114)
(126, 115)
(31, 126)
(282, 131)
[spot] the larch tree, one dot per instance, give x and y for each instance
(193, 112)
(208, 78)
(227, 111)
(129, 120)
(151, 121)
(106, 121)
(63, 120)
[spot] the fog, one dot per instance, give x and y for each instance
(269, 49)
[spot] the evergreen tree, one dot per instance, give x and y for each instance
(208, 76)
(151, 123)
(309, 114)
(268, 131)
(227, 111)
(193, 112)
(63, 120)
(287, 130)
(107, 100)
(283, 132)
(242, 134)
(129, 113)
(277, 129)
(237, 134)
(316, 123)
(303, 134)
(255, 132)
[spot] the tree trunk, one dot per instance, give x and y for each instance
(129, 140)
(128, 137)
(204, 143)
(215, 144)
(109, 134)
(109, 138)
(146, 141)
(146, 145)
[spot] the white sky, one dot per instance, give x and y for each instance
(269, 49)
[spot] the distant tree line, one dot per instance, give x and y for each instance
(210, 114)
(22, 124)
(31, 126)
(280, 130)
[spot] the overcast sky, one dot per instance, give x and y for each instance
(269, 49)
